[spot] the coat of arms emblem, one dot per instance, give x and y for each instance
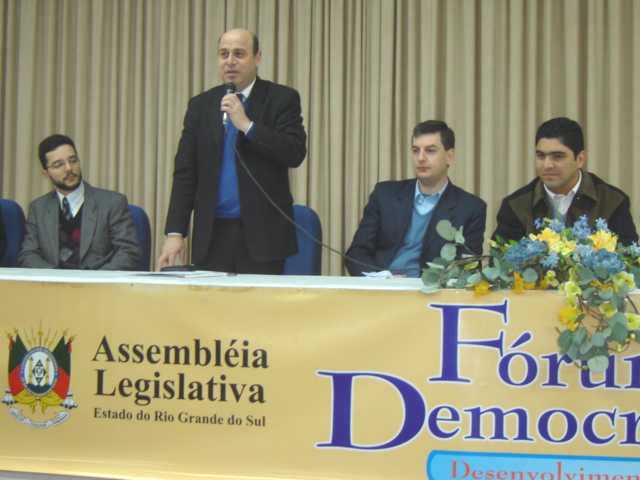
(39, 379)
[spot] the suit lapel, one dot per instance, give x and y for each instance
(89, 220)
(256, 101)
(405, 200)
(52, 227)
(212, 124)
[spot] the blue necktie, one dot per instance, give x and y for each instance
(228, 199)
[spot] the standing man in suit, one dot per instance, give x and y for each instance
(76, 225)
(398, 228)
(227, 139)
(563, 189)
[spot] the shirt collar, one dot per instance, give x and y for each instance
(571, 193)
(75, 198)
(438, 194)
(247, 91)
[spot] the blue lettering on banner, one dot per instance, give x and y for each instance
(452, 465)
(515, 367)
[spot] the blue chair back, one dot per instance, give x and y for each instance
(308, 260)
(143, 232)
(12, 217)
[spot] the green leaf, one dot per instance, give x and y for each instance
(579, 336)
(459, 238)
(572, 351)
(530, 275)
(586, 346)
(471, 265)
(585, 275)
(606, 332)
(491, 273)
(497, 263)
(618, 319)
(474, 279)
(437, 266)
(565, 340)
(430, 289)
(605, 294)
(598, 364)
(448, 252)
(446, 230)
(598, 339)
(461, 282)
(430, 277)
(619, 333)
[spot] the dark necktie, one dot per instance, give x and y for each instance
(66, 210)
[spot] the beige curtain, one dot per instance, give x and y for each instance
(117, 75)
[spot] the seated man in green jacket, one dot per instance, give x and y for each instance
(563, 190)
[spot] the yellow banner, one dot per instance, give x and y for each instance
(176, 382)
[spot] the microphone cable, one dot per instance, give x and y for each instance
(307, 234)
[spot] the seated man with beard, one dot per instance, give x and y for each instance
(76, 226)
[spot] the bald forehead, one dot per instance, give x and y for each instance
(237, 36)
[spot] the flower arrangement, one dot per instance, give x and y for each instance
(588, 265)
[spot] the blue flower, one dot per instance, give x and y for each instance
(538, 223)
(525, 251)
(604, 263)
(556, 225)
(584, 252)
(550, 261)
(634, 249)
(581, 229)
(601, 224)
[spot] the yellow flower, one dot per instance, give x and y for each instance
(547, 235)
(518, 283)
(572, 291)
(482, 288)
(604, 241)
(623, 279)
(569, 317)
(607, 309)
(549, 280)
(566, 247)
(633, 321)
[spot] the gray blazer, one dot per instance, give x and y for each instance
(107, 237)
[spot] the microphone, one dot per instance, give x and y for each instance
(230, 88)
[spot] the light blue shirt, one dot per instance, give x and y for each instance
(407, 259)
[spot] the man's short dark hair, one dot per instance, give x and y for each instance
(447, 136)
(567, 131)
(51, 143)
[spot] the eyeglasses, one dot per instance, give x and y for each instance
(58, 164)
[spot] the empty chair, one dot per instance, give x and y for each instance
(309, 257)
(12, 217)
(143, 233)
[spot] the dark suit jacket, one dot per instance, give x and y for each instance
(277, 143)
(387, 218)
(107, 237)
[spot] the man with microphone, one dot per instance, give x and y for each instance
(239, 139)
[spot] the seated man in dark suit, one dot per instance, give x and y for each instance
(398, 228)
(563, 190)
(76, 225)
